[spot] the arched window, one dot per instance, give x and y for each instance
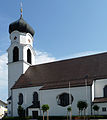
(29, 56)
(15, 54)
(105, 91)
(35, 97)
(20, 99)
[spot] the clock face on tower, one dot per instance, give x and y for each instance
(29, 40)
(15, 38)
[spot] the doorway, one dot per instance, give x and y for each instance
(34, 114)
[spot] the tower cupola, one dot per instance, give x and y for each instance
(22, 26)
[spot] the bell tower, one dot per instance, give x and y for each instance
(21, 54)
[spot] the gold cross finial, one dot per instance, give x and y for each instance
(21, 8)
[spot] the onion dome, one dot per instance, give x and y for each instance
(21, 26)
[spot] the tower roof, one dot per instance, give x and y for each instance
(22, 26)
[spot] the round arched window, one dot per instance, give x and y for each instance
(29, 56)
(35, 97)
(20, 99)
(15, 54)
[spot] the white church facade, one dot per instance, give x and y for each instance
(31, 85)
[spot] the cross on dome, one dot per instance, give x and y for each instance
(21, 10)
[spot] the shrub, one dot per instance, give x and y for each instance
(21, 111)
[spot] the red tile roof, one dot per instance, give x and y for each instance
(100, 100)
(58, 74)
(3, 102)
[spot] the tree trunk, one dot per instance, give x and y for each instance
(67, 115)
(71, 115)
(47, 114)
(94, 113)
(84, 114)
(79, 112)
(43, 115)
(97, 112)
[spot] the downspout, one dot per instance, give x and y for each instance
(91, 98)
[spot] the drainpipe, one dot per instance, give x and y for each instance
(91, 98)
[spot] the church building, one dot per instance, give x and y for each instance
(31, 86)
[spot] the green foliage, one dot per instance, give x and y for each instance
(21, 111)
(82, 105)
(85, 105)
(45, 107)
(69, 109)
(96, 107)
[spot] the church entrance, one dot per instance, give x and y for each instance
(34, 114)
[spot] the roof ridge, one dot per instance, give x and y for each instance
(69, 59)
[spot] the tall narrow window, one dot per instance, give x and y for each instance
(20, 99)
(29, 56)
(105, 91)
(35, 97)
(15, 54)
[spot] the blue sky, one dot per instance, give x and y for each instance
(63, 28)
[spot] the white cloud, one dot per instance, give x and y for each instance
(3, 70)
(3, 77)
(43, 57)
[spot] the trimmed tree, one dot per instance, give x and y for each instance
(69, 110)
(85, 105)
(45, 108)
(21, 111)
(80, 106)
(96, 108)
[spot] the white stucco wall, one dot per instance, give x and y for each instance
(99, 85)
(22, 38)
(79, 93)
(14, 72)
(28, 97)
(49, 97)
(100, 112)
